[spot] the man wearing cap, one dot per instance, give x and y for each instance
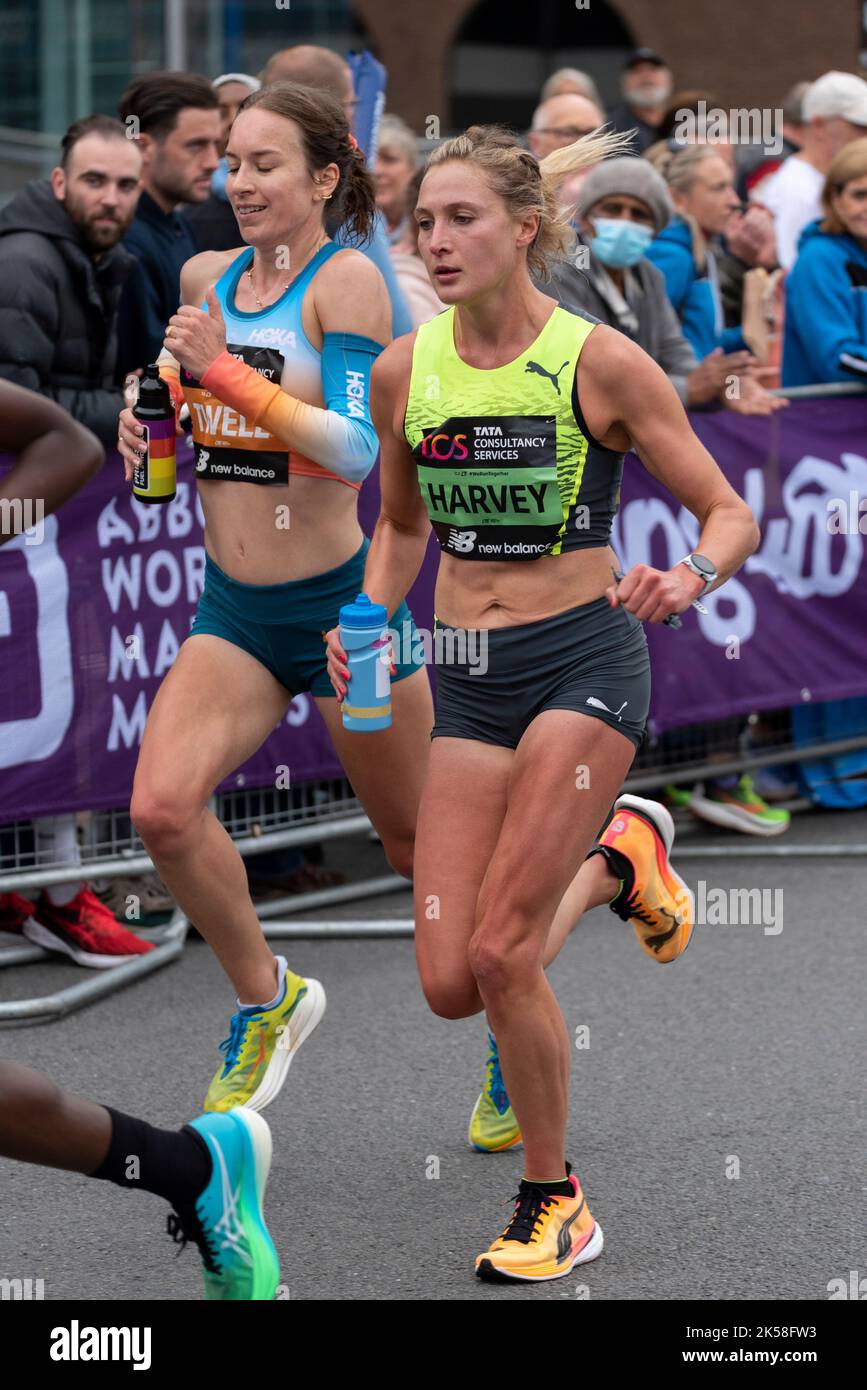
(646, 86)
(834, 113)
(622, 205)
(214, 224)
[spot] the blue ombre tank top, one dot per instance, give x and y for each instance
(272, 341)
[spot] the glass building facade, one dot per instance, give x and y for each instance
(62, 59)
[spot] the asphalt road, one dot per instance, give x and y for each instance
(750, 1048)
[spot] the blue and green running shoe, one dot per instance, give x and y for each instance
(261, 1045)
(493, 1123)
(227, 1222)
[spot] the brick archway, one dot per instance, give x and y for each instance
(743, 53)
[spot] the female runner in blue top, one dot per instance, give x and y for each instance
(276, 372)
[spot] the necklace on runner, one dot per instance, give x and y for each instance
(259, 303)
(284, 288)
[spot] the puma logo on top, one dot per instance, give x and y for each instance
(543, 371)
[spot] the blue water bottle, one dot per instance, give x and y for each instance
(364, 638)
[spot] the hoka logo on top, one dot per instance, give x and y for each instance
(543, 371)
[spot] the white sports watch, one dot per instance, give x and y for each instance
(702, 566)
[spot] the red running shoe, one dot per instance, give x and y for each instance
(15, 911)
(85, 930)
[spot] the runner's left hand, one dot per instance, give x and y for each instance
(653, 594)
(197, 338)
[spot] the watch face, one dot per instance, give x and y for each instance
(703, 565)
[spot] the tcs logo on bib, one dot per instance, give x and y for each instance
(432, 446)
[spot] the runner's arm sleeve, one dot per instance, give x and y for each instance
(170, 373)
(341, 436)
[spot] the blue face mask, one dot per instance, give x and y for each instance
(620, 243)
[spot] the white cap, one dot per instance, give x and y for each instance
(244, 77)
(837, 94)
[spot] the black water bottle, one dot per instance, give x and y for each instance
(154, 474)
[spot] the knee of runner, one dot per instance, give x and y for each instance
(495, 961)
(160, 821)
(451, 1000)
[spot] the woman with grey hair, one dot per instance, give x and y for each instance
(396, 162)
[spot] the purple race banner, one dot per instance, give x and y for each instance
(95, 601)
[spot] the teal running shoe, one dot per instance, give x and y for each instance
(493, 1123)
(227, 1223)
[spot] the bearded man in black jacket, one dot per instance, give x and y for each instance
(63, 271)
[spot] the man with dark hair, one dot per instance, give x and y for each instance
(214, 224)
(63, 270)
(175, 119)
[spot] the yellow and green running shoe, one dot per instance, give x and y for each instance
(493, 1123)
(261, 1045)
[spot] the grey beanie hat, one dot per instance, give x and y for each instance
(627, 174)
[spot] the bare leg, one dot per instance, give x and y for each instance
(544, 827)
(40, 1123)
(387, 769)
(213, 710)
(494, 833)
(593, 885)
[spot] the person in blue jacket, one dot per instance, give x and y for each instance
(825, 337)
(702, 189)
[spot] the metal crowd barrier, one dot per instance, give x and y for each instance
(261, 820)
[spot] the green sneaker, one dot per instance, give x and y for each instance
(738, 808)
(493, 1123)
(677, 798)
(261, 1045)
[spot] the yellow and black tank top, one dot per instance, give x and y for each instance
(506, 466)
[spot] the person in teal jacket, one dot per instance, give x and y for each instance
(825, 337)
(702, 189)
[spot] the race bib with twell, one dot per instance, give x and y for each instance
(226, 446)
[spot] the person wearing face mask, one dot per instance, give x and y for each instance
(646, 86)
(622, 205)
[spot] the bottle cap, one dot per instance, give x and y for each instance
(363, 613)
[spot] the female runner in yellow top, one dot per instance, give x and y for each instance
(515, 459)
